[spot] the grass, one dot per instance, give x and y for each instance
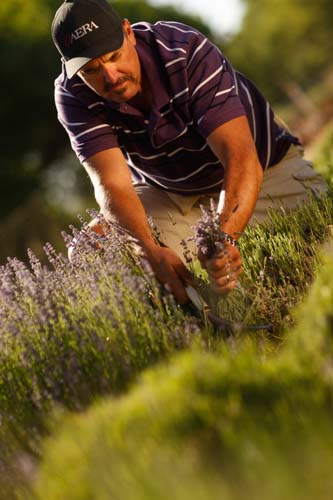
(72, 333)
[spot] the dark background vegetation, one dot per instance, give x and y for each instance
(285, 46)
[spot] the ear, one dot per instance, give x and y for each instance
(128, 31)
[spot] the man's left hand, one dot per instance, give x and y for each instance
(223, 269)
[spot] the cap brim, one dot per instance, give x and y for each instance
(74, 65)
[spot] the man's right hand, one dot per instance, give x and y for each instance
(170, 270)
(166, 264)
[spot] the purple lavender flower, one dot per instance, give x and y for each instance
(209, 238)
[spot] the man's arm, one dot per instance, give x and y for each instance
(232, 143)
(117, 197)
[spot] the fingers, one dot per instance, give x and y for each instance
(215, 271)
(171, 271)
(224, 270)
(184, 274)
(181, 277)
(224, 284)
(177, 275)
(177, 288)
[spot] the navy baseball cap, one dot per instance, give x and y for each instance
(85, 29)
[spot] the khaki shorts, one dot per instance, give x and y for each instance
(287, 184)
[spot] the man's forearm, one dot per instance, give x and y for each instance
(239, 197)
(232, 143)
(126, 207)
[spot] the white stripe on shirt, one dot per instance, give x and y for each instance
(91, 106)
(207, 80)
(216, 95)
(197, 50)
(179, 49)
(224, 91)
(151, 177)
(91, 130)
(72, 124)
(179, 94)
(148, 28)
(268, 134)
(173, 138)
(252, 111)
(189, 175)
(174, 61)
(170, 24)
(187, 149)
(235, 79)
(66, 94)
(169, 155)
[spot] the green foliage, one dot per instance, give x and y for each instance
(143, 11)
(233, 424)
(74, 332)
(322, 154)
(29, 128)
(237, 424)
(312, 337)
(282, 41)
(21, 233)
(19, 17)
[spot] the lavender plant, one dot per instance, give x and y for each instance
(75, 329)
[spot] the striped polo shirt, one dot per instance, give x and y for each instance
(195, 90)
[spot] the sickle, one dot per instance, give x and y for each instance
(223, 325)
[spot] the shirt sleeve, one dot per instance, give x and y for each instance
(85, 121)
(213, 87)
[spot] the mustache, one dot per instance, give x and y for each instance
(128, 78)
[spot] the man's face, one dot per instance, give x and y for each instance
(116, 76)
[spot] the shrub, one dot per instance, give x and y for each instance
(204, 426)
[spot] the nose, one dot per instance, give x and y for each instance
(110, 72)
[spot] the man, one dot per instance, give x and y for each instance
(161, 102)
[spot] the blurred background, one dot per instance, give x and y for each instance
(284, 46)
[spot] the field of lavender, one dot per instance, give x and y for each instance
(109, 389)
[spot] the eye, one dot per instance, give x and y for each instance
(114, 57)
(90, 71)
